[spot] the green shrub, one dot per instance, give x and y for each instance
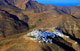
(31, 36)
(7, 42)
(39, 19)
(1, 44)
(32, 26)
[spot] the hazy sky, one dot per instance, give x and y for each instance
(61, 2)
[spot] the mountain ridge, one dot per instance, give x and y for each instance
(30, 15)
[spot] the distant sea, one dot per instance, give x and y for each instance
(46, 2)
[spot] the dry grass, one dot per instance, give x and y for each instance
(10, 41)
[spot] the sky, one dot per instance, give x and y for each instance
(60, 2)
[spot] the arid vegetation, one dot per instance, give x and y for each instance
(19, 17)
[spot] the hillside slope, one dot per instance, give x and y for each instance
(10, 24)
(18, 3)
(17, 18)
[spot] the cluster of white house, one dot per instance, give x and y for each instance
(44, 36)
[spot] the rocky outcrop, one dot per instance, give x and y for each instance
(70, 25)
(14, 15)
(18, 3)
(10, 24)
(74, 11)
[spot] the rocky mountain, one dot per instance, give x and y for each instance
(18, 16)
(64, 14)
(10, 24)
(74, 11)
(37, 7)
(18, 3)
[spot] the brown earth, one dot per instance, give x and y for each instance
(16, 18)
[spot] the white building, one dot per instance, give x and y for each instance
(43, 36)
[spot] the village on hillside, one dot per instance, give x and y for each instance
(45, 36)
